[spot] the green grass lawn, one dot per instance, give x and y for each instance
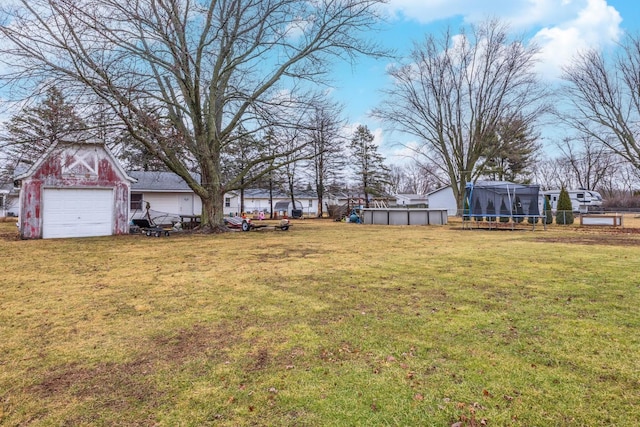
(328, 324)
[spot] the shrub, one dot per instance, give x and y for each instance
(564, 210)
(548, 215)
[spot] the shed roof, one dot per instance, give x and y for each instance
(25, 173)
(440, 189)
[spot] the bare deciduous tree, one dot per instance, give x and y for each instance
(422, 178)
(605, 100)
(589, 162)
(455, 91)
(327, 146)
(204, 67)
(552, 173)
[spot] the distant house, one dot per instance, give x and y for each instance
(9, 200)
(256, 201)
(411, 200)
(74, 190)
(165, 194)
(443, 198)
(357, 200)
(169, 198)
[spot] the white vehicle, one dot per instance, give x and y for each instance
(582, 201)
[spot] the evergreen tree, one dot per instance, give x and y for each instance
(510, 152)
(371, 172)
(548, 215)
(564, 209)
(33, 130)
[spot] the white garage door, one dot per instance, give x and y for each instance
(77, 212)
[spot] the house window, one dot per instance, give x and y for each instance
(136, 202)
(310, 203)
(227, 202)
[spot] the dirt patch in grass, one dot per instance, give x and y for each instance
(9, 235)
(599, 236)
(106, 380)
(125, 387)
(120, 389)
(260, 359)
(188, 343)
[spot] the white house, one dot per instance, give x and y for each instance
(413, 200)
(443, 198)
(165, 194)
(169, 199)
(357, 200)
(256, 201)
(9, 200)
(4, 195)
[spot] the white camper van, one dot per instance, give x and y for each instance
(582, 201)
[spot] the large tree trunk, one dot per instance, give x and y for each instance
(213, 212)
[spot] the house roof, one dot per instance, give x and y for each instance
(343, 195)
(437, 190)
(159, 181)
(411, 197)
(258, 193)
(164, 181)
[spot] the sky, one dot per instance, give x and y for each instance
(559, 27)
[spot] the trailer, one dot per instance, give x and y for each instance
(246, 224)
(582, 201)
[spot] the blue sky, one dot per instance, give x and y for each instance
(560, 27)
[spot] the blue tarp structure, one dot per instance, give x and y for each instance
(491, 199)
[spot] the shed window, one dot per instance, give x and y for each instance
(136, 202)
(227, 202)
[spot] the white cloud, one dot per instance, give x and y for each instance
(426, 11)
(298, 27)
(404, 152)
(562, 27)
(597, 25)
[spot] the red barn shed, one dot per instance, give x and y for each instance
(74, 190)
